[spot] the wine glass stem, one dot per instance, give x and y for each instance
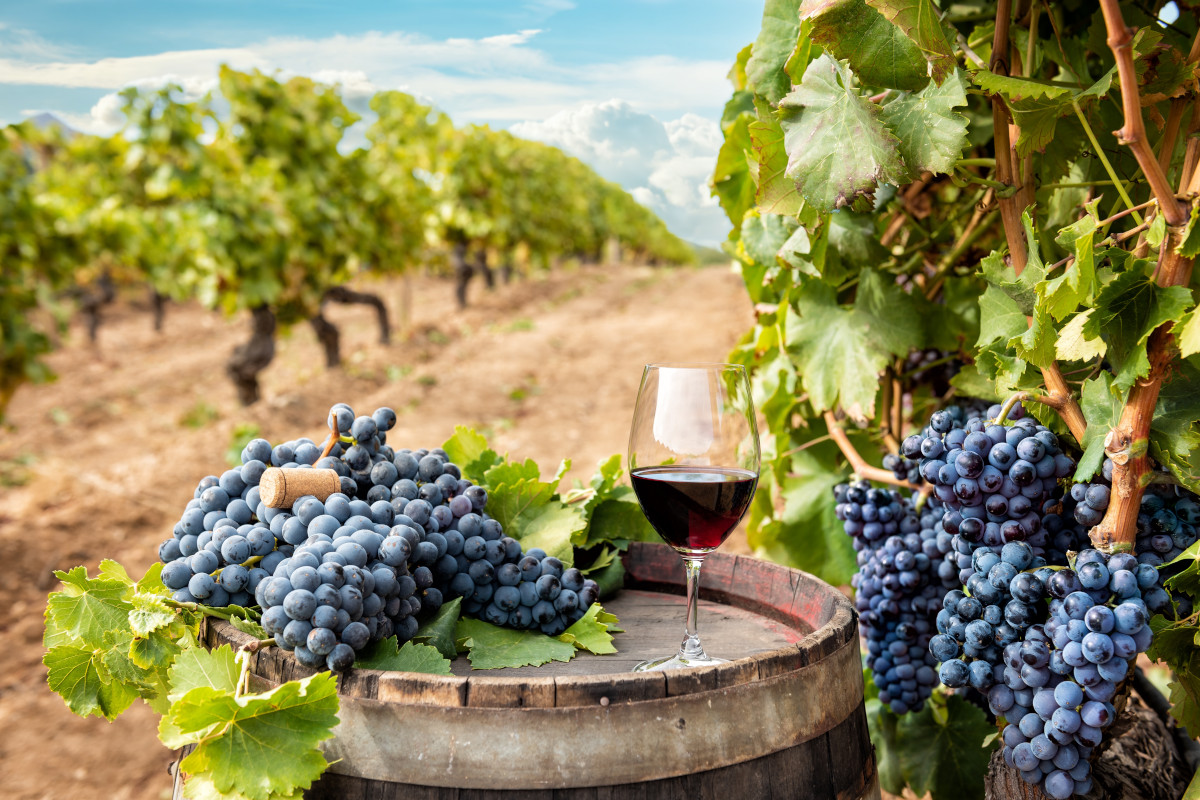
(691, 647)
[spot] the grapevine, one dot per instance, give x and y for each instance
(1015, 221)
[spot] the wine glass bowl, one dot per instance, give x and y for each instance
(693, 462)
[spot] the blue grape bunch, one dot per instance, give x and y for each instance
(406, 533)
(898, 588)
(1058, 684)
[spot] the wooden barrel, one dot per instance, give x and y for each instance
(784, 718)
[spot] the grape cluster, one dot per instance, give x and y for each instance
(999, 485)
(898, 588)
(1059, 682)
(406, 533)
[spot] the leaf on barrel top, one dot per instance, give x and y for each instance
(438, 630)
(492, 647)
(593, 631)
(388, 656)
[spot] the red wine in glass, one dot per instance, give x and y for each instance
(694, 508)
(693, 461)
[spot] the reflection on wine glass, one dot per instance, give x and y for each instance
(693, 461)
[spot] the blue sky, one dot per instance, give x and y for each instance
(633, 87)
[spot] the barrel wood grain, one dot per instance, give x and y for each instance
(786, 719)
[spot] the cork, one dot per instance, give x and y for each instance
(280, 488)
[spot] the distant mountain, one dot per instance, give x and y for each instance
(46, 120)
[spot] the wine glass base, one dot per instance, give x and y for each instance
(679, 661)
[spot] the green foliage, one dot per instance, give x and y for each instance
(860, 174)
(387, 655)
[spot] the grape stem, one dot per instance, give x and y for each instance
(859, 464)
(1008, 406)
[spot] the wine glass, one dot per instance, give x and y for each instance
(693, 461)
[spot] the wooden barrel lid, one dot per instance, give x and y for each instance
(799, 677)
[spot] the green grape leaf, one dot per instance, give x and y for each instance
(618, 518)
(1174, 429)
(438, 630)
(879, 53)
(1189, 244)
(85, 608)
(151, 582)
(764, 234)
(818, 118)
(1187, 571)
(732, 183)
(1127, 311)
(196, 667)
(261, 744)
(470, 451)
(776, 193)
(1000, 317)
(201, 787)
(1187, 334)
(491, 647)
(1073, 345)
(776, 40)
(1102, 405)
(551, 527)
(513, 472)
(1021, 288)
(920, 22)
(249, 626)
(149, 613)
(1036, 345)
(1078, 280)
(155, 651)
(387, 655)
(931, 132)
(944, 758)
(1013, 88)
(882, 724)
(591, 631)
(840, 351)
(78, 675)
(1185, 699)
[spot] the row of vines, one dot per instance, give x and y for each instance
(251, 201)
(992, 199)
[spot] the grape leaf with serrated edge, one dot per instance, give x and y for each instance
(879, 52)
(492, 647)
(78, 675)
(774, 45)
(412, 657)
(818, 118)
(86, 607)
(931, 133)
(591, 632)
(1101, 406)
(262, 743)
(438, 630)
(920, 21)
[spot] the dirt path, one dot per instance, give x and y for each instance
(106, 457)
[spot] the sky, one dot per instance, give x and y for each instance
(632, 87)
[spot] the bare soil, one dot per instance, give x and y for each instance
(100, 463)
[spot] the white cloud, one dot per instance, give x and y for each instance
(665, 166)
